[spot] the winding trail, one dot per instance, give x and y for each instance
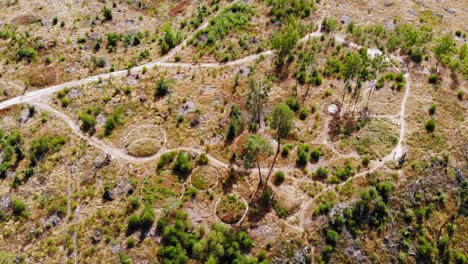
(36, 98)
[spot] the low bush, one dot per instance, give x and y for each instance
(279, 178)
(430, 125)
(162, 87)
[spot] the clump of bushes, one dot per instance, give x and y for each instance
(166, 159)
(112, 121)
(169, 40)
(27, 53)
(182, 164)
(45, 145)
(19, 207)
(234, 16)
(183, 243)
(145, 220)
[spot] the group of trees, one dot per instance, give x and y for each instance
(285, 41)
(236, 15)
(369, 211)
(258, 147)
(12, 151)
(357, 69)
(282, 9)
(182, 242)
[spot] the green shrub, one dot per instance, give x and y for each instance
(293, 104)
(329, 24)
(282, 9)
(424, 250)
(133, 222)
(304, 113)
(147, 217)
(26, 53)
(432, 109)
(460, 258)
(203, 159)
(430, 125)
(18, 207)
(302, 158)
(321, 173)
(107, 13)
(331, 236)
(65, 102)
(315, 154)
(162, 87)
(460, 95)
(111, 122)
(166, 159)
(179, 119)
(112, 41)
(131, 242)
(182, 164)
(285, 150)
(433, 78)
(279, 178)
(416, 54)
(169, 41)
(365, 161)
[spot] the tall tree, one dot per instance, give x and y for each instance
(258, 96)
(282, 122)
(257, 148)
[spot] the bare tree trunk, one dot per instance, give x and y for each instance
(274, 161)
(260, 182)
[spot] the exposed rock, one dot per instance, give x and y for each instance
(25, 115)
(179, 76)
(132, 79)
(74, 93)
(332, 109)
(390, 24)
(52, 221)
(450, 10)
(244, 71)
(115, 248)
(345, 19)
(187, 108)
(97, 237)
(5, 203)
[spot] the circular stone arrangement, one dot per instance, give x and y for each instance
(204, 178)
(144, 140)
(231, 208)
(287, 200)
